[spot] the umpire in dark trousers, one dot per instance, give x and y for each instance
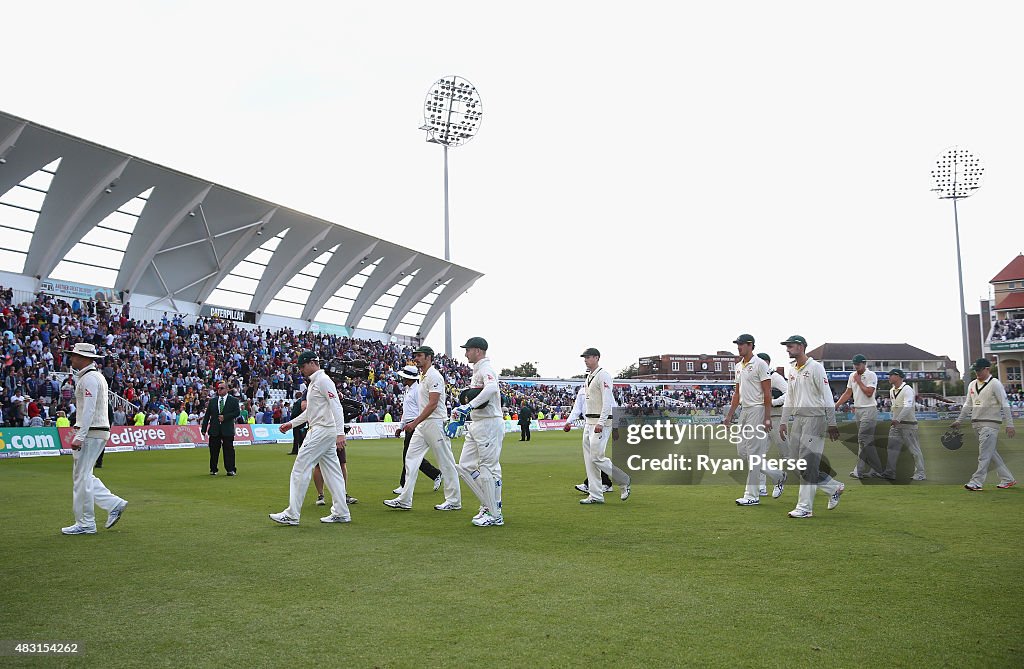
(219, 422)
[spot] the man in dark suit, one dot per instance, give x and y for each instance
(219, 421)
(525, 416)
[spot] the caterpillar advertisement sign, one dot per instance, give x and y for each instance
(26, 442)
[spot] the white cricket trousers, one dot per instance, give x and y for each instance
(87, 491)
(429, 435)
(594, 445)
(807, 441)
(900, 435)
(867, 454)
(319, 448)
(987, 438)
(478, 463)
(751, 419)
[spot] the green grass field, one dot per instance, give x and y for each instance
(195, 574)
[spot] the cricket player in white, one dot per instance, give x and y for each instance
(598, 408)
(809, 402)
(92, 430)
(428, 433)
(754, 394)
(779, 389)
(904, 427)
(988, 407)
(326, 420)
(478, 465)
(861, 387)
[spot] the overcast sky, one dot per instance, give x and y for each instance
(648, 178)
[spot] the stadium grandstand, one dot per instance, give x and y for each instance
(182, 282)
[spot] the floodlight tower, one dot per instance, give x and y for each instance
(452, 113)
(957, 175)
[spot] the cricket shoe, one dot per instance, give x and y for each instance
(488, 520)
(606, 488)
(747, 501)
(437, 483)
(351, 500)
(115, 514)
(857, 475)
(77, 529)
(625, 492)
(284, 519)
(800, 513)
(396, 504)
(583, 488)
(1008, 484)
(919, 477)
(320, 500)
(481, 513)
(448, 506)
(591, 500)
(336, 519)
(973, 487)
(780, 486)
(763, 490)
(398, 491)
(833, 500)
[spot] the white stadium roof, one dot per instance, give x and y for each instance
(70, 208)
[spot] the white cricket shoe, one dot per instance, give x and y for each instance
(606, 488)
(488, 520)
(747, 501)
(284, 519)
(763, 490)
(396, 504)
(833, 500)
(481, 513)
(336, 519)
(780, 486)
(115, 514)
(351, 500)
(320, 500)
(77, 529)
(398, 491)
(625, 492)
(437, 483)
(800, 513)
(448, 506)
(919, 477)
(591, 500)
(583, 488)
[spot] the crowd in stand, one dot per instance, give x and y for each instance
(1008, 330)
(165, 369)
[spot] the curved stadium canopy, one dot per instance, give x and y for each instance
(69, 206)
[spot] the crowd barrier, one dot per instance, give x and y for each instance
(24, 442)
